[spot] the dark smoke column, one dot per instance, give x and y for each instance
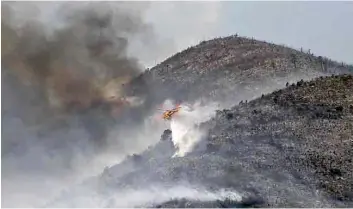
(75, 69)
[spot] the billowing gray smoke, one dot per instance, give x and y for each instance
(61, 78)
(73, 61)
(72, 66)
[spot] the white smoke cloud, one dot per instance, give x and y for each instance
(155, 196)
(146, 197)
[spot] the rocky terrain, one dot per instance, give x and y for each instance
(287, 145)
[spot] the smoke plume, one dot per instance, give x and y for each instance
(63, 68)
(73, 62)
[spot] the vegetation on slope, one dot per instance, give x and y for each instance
(310, 122)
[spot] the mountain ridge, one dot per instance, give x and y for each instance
(216, 68)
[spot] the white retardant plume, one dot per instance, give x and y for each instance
(184, 125)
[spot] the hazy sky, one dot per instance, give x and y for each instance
(324, 27)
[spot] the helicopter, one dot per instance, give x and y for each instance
(168, 114)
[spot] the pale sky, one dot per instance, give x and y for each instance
(324, 27)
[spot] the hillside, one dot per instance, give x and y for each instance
(309, 123)
(290, 148)
(229, 69)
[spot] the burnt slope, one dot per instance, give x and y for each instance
(294, 140)
(290, 148)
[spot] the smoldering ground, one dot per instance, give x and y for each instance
(62, 76)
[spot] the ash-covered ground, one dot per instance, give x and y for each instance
(252, 131)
